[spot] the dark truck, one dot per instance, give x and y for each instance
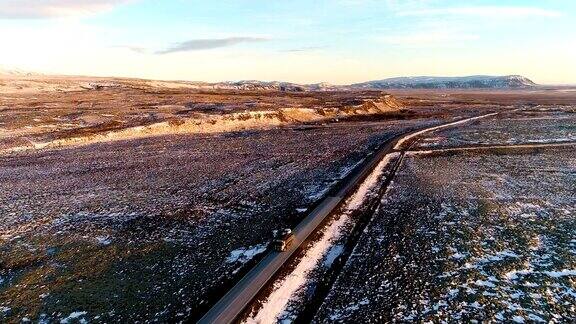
(282, 239)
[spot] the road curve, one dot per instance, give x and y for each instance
(227, 309)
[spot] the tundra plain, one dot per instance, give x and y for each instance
(131, 200)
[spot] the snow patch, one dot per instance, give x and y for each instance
(561, 273)
(73, 316)
(399, 144)
(275, 307)
(244, 255)
(518, 319)
(334, 252)
(103, 240)
(483, 283)
(358, 198)
(340, 314)
(284, 291)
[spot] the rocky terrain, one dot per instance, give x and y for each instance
(38, 112)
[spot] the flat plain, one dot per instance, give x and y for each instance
(483, 234)
(128, 201)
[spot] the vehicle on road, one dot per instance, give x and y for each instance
(282, 239)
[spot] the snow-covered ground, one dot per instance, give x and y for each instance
(150, 229)
(279, 305)
(530, 126)
(467, 236)
(400, 144)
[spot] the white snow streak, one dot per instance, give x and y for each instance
(399, 144)
(488, 147)
(244, 255)
(74, 316)
(287, 289)
(359, 196)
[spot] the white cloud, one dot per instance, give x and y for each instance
(209, 43)
(485, 11)
(22, 9)
(427, 38)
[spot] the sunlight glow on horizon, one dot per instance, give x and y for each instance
(339, 41)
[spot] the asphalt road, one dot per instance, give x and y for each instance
(227, 309)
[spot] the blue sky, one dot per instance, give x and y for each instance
(338, 41)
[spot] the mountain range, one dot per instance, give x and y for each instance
(467, 82)
(419, 82)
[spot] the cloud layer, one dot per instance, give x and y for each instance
(428, 38)
(485, 11)
(25, 9)
(206, 44)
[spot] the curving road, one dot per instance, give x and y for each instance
(227, 309)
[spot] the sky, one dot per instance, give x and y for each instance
(303, 41)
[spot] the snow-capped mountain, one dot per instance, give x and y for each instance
(468, 82)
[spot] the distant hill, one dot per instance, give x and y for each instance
(421, 82)
(424, 82)
(15, 72)
(272, 86)
(468, 82)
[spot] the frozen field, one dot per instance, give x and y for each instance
(148, 229)
(534, 125)
(472, 235)
(157, 228)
